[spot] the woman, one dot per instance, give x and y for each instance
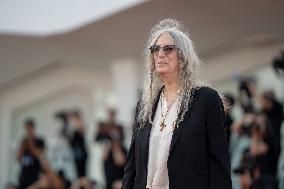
(179, 140)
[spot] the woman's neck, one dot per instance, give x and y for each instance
(171, 88)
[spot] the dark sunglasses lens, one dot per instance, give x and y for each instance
(168, 49)
(155, 49)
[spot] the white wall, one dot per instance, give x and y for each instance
(246, 59)
(125, 81)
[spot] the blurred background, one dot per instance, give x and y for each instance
(71, 73)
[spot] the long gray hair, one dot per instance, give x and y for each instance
(189, 64)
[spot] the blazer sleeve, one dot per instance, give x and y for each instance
(219, 161)
(129, 168)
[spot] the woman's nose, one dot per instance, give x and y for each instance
(161, 53)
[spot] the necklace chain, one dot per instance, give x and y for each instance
(162, 125)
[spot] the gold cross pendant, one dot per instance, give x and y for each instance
(162, 126)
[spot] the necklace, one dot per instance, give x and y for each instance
(162, 124)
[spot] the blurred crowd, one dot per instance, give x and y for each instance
(255, 138)
(37, 172)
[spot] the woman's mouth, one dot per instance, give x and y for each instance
(161, 63)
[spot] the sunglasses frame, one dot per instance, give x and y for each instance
(167, 49)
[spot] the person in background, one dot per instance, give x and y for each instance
(114, 156)
(263, 145)
(251, 175)
(48, 178)
(112, 123)
(78, 144)
(105, 128)
(102, 132)
(229, 103)
(273, 110)
(29, 155)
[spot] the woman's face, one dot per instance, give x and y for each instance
(165, 55)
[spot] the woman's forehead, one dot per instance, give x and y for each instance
(165, 39)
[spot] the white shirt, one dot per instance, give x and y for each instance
(159, 146)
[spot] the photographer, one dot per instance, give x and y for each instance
(260, 147)
(28, 155)
(251, 175)
(229, 103)
(246, 96)
(104, 128)
(47, 178)
(78, 144)
(263, 145)
(102, 133)
(114, 157)
(273, 110)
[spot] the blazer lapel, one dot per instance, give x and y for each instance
(176, 134)
(178, 130)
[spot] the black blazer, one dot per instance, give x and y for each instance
(198, 157)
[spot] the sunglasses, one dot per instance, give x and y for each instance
(167, 49)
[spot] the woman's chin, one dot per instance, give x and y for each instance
(162, 71)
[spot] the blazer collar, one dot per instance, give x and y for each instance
(156, 103)
(178, 130)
